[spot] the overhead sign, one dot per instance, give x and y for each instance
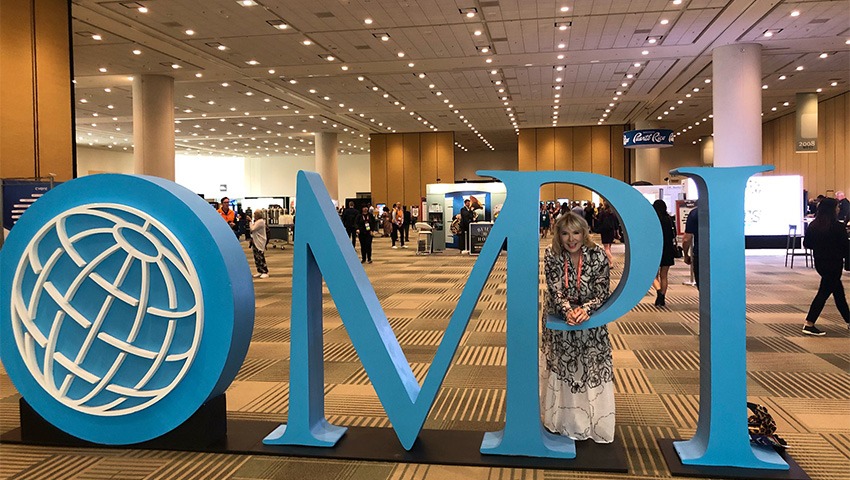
(652, 138)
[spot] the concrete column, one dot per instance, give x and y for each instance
(706, 150)
(648, 160)
(153, 125)
(326, 164)
(736, 73)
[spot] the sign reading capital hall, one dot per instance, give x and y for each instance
(123, 314)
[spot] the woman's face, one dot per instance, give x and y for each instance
(571, 239)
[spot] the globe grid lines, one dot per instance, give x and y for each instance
(29, 338)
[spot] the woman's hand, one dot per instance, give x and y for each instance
(577, 316)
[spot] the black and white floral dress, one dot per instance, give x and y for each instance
(577, 375)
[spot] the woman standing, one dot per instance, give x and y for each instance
(365, 224)
(827, 238)
(259, 238)
(577, 375)
(668, 252)
(607, 227)
(544, 220)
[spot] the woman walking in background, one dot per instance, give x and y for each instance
(259, 238)
(606, 225)
(827, 238)
(668, 250)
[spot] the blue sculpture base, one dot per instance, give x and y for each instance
(677, 469)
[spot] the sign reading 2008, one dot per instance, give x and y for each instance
(126, 303)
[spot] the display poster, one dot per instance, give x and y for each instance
(772, 203)
(683, 208)
(18, 195)
(478, 233)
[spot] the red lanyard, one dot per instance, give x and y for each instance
(567, 274)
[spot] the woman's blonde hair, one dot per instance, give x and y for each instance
(259, 214)
(570, 221)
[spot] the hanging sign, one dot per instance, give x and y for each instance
(652, 138)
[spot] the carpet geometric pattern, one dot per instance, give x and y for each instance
(803, 381)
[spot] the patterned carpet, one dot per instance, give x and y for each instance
(804, 381)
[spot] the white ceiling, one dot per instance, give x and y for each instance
(273, 107)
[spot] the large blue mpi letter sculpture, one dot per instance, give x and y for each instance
(722, 438)
(125, 304)
(322, 251)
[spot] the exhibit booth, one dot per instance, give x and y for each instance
(444, 201)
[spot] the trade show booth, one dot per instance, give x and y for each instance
(444, 200)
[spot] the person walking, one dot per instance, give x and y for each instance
(365, 224)
(349, 217)
(668, 252)
(826, 236)
(405, 226)
(414, 215)
(607, 227)
(545, 219)
(397, 219)
(259, 238)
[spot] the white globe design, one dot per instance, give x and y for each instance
(107, 309)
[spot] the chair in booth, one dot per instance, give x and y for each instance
(424, 244)
(791, 247)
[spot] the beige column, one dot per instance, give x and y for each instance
(706, 150)
(326, 161)
(648, 160)
(736, 104)
(153, 125)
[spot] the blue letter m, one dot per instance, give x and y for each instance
(321, 251)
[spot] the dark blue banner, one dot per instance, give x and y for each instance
(18, 195)
(653, 138)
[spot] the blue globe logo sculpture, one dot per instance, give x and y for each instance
(101, 338)
(126, 304)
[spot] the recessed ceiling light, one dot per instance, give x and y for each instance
(664, 21)
(361, 78)
(477, 33)
(143, 9)
(367, 21)
(468, 12)
(278, 24)
(83, 100)
(799, 68)
(102, 69)
(222, 47)
(677, 2)
(411, 64)
(199, 75)
(795, 13)
(330, 58)
(400, 54)
(645, 52)
(247, 3)
(96, 37)
(565, 9)
(252, 62)
(137, 52)
(306, 41)
(833, 84)
(344, 67)
(189, 32)
(823, 55)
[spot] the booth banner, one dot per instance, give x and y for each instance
(683, 208)
(18, 195)
(806, 131)
(478, 233)
(652, 138)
